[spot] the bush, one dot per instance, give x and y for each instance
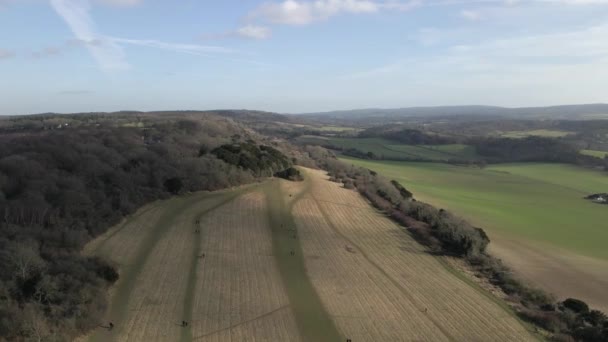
(262, 160)
(173, 185)
(291, 173)
(576, 305)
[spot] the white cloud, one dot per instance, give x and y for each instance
(401, 5)
(125, 3)
(578, 2)
(470, 15)
(293, 12)
(75, 13)
(569, 66)
(582, 50)
(253, 32)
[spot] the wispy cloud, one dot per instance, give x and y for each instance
(292, 12)
(304, 12)
(253, 32)
(75, 92)
(6, 54)
(193, 49)
(107, 53)
(125, 3)
(470, 15)
(584, 49)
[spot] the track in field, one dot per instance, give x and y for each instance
(283, 261)
(378, 284)
(247, 284)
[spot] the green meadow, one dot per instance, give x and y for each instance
(594, 153)
(536, 201)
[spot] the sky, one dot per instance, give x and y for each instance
(293, 56)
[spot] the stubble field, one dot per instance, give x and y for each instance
(284, 261)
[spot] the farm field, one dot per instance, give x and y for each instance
(283, 261)
(537, 133)
(393, 150)
(378, 284)
(533, 209)
(594, 153)
(233, 279)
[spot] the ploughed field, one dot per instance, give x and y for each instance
(535, 214)
(284, 261)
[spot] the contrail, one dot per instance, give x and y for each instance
(108, 54)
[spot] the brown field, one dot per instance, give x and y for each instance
(378, 284)
(120, 243)
(359, 275)
(560, 272)
(239, 293)
(233, 292)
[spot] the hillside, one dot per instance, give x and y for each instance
(268, 262)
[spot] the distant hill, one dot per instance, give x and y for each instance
(554, 112)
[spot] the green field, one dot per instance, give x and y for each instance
(537, 133)
(595, 153)
(392, 150)
(541, 202)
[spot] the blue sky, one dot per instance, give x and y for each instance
(299, 55)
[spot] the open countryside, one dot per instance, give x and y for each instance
(291, 262)
(386, 149)
(531, 208)
(304, 171)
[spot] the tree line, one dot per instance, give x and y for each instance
(489, 149)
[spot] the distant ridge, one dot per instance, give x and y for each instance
(563, 111)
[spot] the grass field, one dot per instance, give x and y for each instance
(595, 153)
(537, 133)
(392, 150)
(539, 207)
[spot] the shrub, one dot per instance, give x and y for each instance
(291, 173)
(173, 185)
(576, 305)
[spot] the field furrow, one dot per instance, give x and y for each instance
(121, 243)
(239, 293)
(379, 284)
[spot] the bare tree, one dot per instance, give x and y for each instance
(36, 325)
(26, 260)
